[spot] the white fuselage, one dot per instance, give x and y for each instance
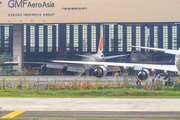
(177, 63)
(93, 58)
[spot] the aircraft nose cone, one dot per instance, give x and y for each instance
(178, 64)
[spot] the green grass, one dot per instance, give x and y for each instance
(78, 119)
(89, 93)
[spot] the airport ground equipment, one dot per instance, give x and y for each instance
(59, 72)
(168, 85)
(116, 71)
(78, 74)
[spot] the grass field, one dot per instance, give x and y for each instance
(89, 93)
(79, 119)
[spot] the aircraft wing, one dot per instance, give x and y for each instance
(174, 52)
(70, 67)
(115, 56)
(150, 66)
(10, 63)
(105, 57)
(83, 55)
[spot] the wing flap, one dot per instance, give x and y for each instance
(74, 69)
(115, 56)
(58, 66)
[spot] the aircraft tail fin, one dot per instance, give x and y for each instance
(171, 60)
(100, 43)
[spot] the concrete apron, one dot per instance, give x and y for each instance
(90, 104)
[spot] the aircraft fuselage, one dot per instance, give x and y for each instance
(93, 58)
(177, 63)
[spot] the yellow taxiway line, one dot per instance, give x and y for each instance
(13, 114)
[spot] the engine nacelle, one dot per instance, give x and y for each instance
(100, 71)
(43, 67)
(143, 74)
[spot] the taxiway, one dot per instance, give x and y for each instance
(92, 107)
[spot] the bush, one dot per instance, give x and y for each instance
(99, 87)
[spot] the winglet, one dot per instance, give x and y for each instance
(100, 43)
(18, 59)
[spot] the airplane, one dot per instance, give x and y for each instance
(138, 57)
(146, 58)
(98, 57)
(143, 72)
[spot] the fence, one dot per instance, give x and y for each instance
(24, 83)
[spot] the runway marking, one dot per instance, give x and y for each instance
(13, 114)
(91, 111)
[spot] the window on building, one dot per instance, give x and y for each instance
(84, 38)
(129, 38)
(174, 37)
(138, 37)
(120, 38)
(156, 36)
(165, 37)
(32, 38)
(93, 38)
(49, 38)
(24, 38)
(147, 37)
(41, 38)
(6, 39)
(111, 38)
(76, 38)
(67, 37)
(57, 37)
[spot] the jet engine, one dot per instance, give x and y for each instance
(143, 74)
(100, 71)
(43, 67)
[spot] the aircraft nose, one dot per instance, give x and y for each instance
(178, 64)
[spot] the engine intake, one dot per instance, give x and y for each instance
(43, 68)
(100, 71)
(143, 74)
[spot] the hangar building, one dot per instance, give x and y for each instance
(53, 29)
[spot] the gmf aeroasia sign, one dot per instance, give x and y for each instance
(26, 3)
